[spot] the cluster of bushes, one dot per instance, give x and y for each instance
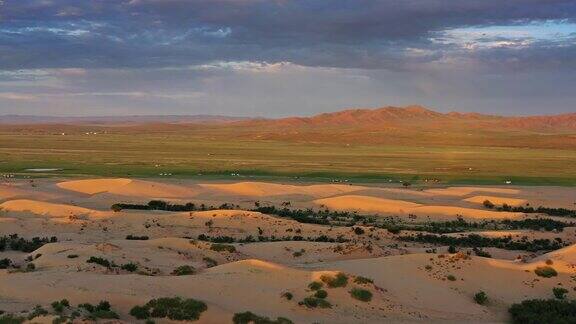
(545, 271)
(536, 311)
(251, 318)
(561, 212)
(16, 243)
(252, 239)
(339, 280)
(318, 299)
(131, 267)
(166, 206)
(102, 310)
(478, 241)
(176, 309)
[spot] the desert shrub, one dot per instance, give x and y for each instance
(315, 285)
(251, 318)
(394, 230)
(101, 261)
(545, 271)
(559, 292)
(184, 270)
(140, 312)
(103, 310)
(481, 253)
(313, 302)
(358, 230)
(288, 295)
(536, 311)
(210, 262)
(218, 247)
(488, 204)
(11, 319)
(30, 267)
(428, 267)
(452, 249)
(480, 298)
(175, 308)
(72, 256)
(363, 280)
(130, 267)
(321, 294)
(5, 263)
(340, 280)
(451, 277)
(298, 254)
(58, 306)
(36, 312)
(137, 238)
(361, 294)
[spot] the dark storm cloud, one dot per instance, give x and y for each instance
(344, 33)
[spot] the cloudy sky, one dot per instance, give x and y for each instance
(285, 57)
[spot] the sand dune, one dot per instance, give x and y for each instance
(93, 186)
(127, 187)
(367, 204)
(262, 189)
(388, 206)
(45, 208)
(497, 200)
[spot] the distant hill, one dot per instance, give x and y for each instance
(118, 120)
(422, 117)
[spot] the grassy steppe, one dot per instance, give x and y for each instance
(191, 154)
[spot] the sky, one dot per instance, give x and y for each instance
(275, 58)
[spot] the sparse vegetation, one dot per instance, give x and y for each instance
(17, 243)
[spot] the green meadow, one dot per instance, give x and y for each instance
(189, 155)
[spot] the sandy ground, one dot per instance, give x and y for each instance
(409, 281)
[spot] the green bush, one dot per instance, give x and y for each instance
(140, 312)
(184, 270)
(546, 272)
(313, 302)
(340, 280)
(288, 295)
(559, 292)
(361, 294)
(11, 319)
(101, 261)
(130, 267)
(321, 294)
(451, 277)
(480, 298)
(315, 285)
(176, 309)
(72, 256)
(251, 318)
(537, 311)
(363, 280)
